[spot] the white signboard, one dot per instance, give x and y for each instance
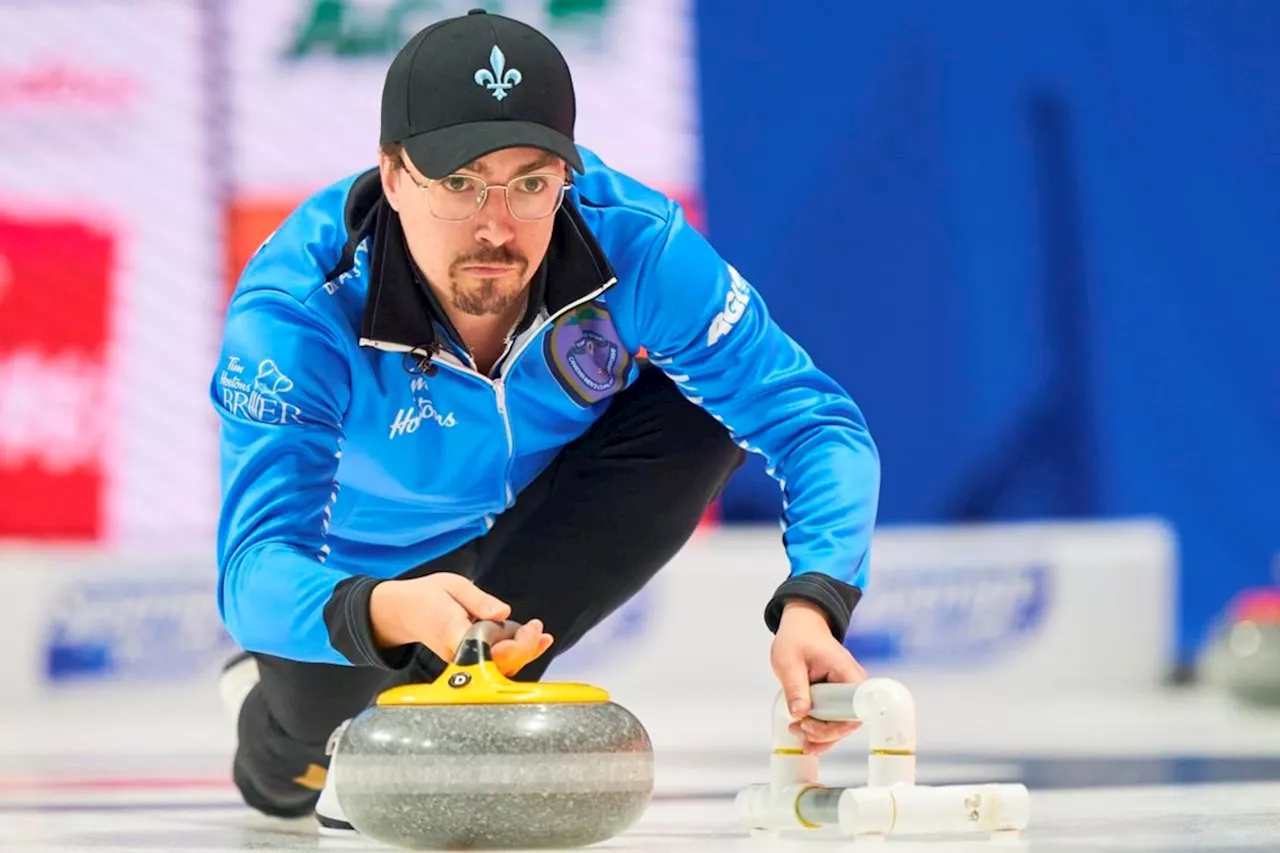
(307, 79)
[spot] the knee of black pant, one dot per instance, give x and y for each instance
(715, 459)
(700, 445)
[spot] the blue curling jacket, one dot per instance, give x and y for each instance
(341, 466)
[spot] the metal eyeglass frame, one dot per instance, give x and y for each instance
(484, 193)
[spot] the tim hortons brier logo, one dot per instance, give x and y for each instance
(260, 399)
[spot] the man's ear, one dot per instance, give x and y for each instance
(389, 170)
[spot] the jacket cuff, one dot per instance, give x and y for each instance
(837, 600)
(351, 631)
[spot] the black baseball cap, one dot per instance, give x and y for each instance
(467, 86)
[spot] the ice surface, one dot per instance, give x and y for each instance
(1175, 771)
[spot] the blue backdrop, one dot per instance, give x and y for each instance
(1039, 243)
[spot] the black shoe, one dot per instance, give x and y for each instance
(255, 799)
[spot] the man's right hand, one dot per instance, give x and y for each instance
(438, 609)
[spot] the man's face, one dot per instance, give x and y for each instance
(481, 264)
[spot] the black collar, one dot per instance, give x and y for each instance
(401, 313)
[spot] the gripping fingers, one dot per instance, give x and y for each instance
(821, 731)
(528, 644)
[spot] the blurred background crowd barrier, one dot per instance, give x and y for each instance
(1037, 241)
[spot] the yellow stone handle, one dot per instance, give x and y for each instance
(474, 679)
(480, 638)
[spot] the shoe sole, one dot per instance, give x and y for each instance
(332, 828)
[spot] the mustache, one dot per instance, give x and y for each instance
(495, 255)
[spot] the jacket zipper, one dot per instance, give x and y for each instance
(498, 386)
(500, 399)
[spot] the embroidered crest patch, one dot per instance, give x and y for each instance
(585, 354)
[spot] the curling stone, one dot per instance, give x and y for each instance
(476, 761)
(1243, 653)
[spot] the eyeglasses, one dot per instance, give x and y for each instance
(459, 197)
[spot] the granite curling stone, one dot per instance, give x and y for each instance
(1243, 653)
(476, 761)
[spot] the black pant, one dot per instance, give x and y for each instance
(613, 508)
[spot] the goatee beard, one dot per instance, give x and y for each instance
(487, 298)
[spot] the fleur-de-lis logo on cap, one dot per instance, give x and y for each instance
(497, 81)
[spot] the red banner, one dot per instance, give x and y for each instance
(55, 290)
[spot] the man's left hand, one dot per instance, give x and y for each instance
(805, 652)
